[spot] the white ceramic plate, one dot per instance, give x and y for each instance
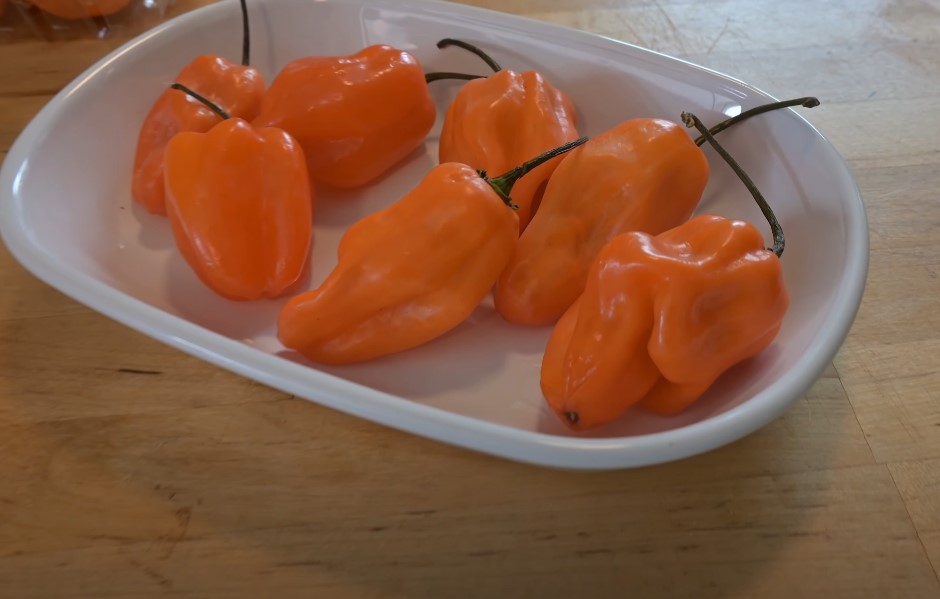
(68, 217)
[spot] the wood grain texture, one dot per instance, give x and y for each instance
(919, 484)
(128, 469)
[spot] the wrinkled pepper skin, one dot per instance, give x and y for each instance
(497, 122)
(406, 274)
(79, 9)
(661, 318)
(355, 116)
(235, 88)
(241, 207)
(644, 175)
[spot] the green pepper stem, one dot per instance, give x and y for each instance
(209, 104)
(502, 184)
(691, 120)
(808, 102)
(429, 77)
(444, 43)
(246, 37)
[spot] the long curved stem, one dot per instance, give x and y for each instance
(691, 120)
(807, 102)
(429, 77)
(208, 103)
(468, 46)
(502, 184)
(246, 35)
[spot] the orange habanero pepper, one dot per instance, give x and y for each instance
(355, 116)
(497, 122)
(412, 271)
(241, 207)
(79, 9)
(236, 88)
(644, 175)
(663, 316)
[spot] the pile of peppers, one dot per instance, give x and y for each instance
(596, 238)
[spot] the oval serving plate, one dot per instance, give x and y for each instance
(67, 216)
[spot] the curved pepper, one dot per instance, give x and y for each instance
(411, 272)
(236, 88)
(643, 175)
(499, 121)
(241, 207)
(663, 316)
(355, 116)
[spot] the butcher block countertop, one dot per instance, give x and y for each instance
(130, 469)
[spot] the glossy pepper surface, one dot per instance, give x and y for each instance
(643, 175)
(235, 88)
(410, 272)
(241, 208)
(662, 317)
(497, 122)
(355, 116)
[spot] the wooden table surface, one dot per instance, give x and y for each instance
(199, 483)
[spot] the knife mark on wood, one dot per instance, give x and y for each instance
(153, 574)
(138, 371)
(587, 552)
(183, 515)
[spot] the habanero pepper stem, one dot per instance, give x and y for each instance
(208, 103)
(452, 42)
(446, 42)
(501, 120)
(691, 120)
(502, 184)
(246, 35)
(429, 77)
(807, 102)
